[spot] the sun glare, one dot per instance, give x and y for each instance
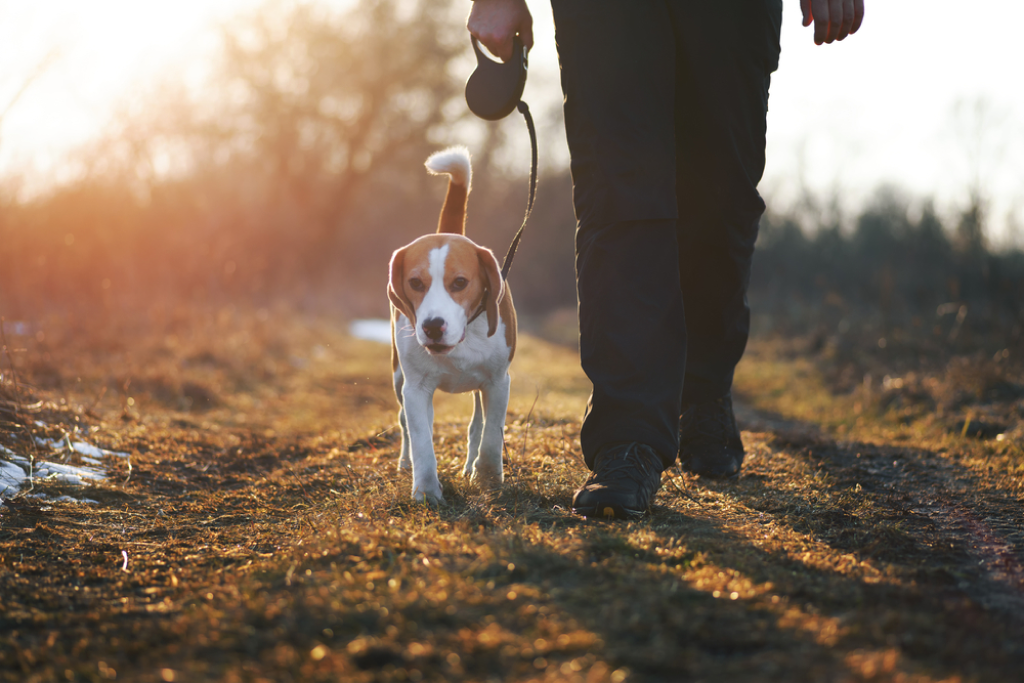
(67, 66)
(888, 122)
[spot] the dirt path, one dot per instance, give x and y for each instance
(265, 535)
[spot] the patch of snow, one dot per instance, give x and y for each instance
(17, 470)
(61, 499)
(70, 474)
(11, 478)
(94, 451)
(372, 329)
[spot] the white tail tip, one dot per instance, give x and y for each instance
(454, 162)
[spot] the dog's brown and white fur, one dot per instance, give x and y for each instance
(437, 284)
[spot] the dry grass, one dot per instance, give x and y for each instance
(269, 537)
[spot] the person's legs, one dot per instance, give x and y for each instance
(618, 67)
(647, 149)
(632, 335)
(727, 51)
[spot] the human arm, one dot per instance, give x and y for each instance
(833, 19)
(495, 22)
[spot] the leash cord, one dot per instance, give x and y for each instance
(511, 253)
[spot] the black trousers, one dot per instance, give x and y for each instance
(665, 106)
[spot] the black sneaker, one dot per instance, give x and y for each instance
(622, 485)
(709, 440)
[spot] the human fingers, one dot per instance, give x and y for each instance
(847, 22)
(858, 15)
(805, 9)
(498, 44)
(835, 19)
(819, 11)
(495, 22)
(502, 48)
(526, 35)
(490, 23)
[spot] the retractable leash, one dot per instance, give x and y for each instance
(492, 92)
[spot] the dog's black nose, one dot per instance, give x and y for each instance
(434, 328)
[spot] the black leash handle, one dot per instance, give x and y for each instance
(491, 93)
(511, 253)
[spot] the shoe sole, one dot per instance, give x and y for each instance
(712, 472)
(609, 511)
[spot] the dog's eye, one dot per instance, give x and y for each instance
(459, 284)
(417, 285)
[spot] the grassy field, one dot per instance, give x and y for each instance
(258, 529)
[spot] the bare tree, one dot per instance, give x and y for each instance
(23, 87)
(319, 100)
(979, 128)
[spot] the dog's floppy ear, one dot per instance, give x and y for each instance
(396, 286)
(495, 287)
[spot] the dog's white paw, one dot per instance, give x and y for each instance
(487, 477)
(404, 463)
(429, 494)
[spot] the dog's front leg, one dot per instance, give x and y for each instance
(488, 470)
(419, 416)
(476, 430)
(404, 461)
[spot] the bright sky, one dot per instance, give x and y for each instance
(102, 51)
(878, 107)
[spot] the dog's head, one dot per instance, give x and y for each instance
(439, 282)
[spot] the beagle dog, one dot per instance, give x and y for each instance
(453, 327)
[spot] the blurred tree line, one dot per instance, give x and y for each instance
(292, 177)
(897, 267)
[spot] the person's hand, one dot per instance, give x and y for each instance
(495, 22)
(833, 19)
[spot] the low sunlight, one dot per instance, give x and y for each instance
(272, 408)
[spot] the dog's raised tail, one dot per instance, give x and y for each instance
(453, 162)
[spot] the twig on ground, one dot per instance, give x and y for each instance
(684, 492)
(298, 481)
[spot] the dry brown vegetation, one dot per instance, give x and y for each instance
(258, 529)
(268, 535)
